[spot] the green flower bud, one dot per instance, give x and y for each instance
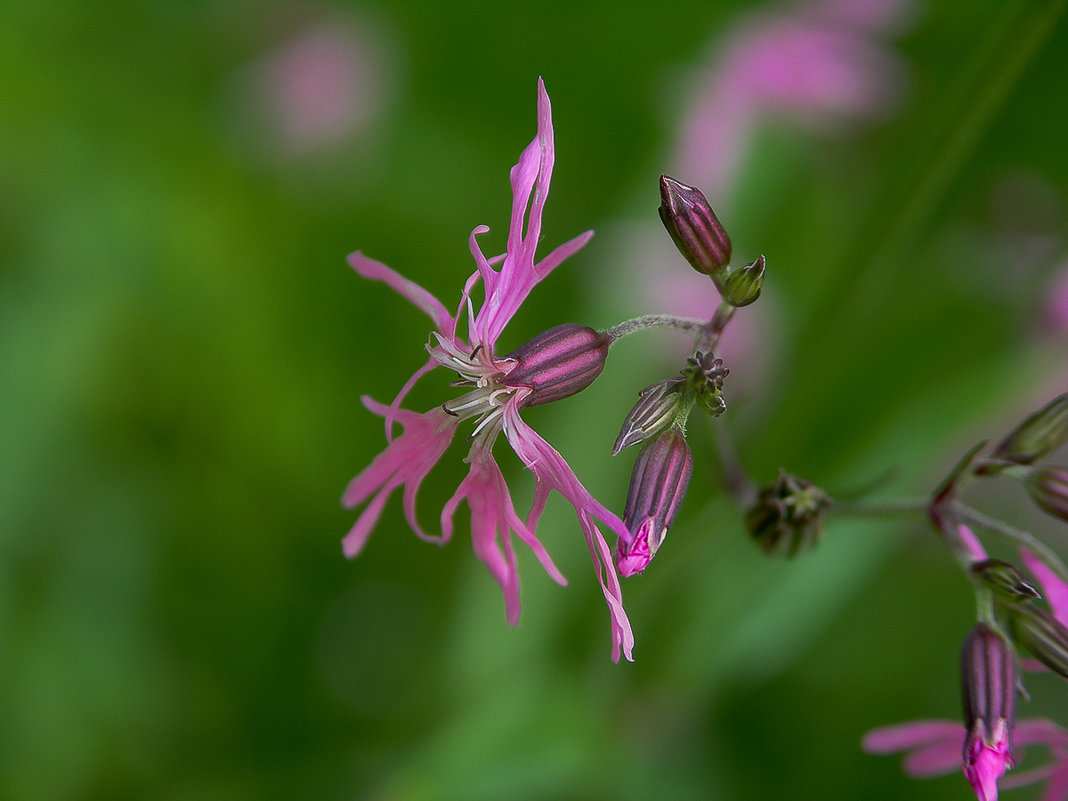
(743, 286)
(1004, 580)
(1037, 436)
(1041, 634)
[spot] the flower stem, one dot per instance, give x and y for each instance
(687, 325)
(1019, 536)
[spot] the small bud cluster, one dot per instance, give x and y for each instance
(788, 516)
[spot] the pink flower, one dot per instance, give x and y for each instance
(933, 748)
(555, 364)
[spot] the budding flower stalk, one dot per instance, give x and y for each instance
(988, 674)
(694, 227)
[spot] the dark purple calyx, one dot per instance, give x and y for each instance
(558, 363)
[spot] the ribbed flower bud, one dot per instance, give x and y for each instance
(1037, 436)
(1004, 580)
(657, 485)
(693, 226)
(788, 515)
(1049, 489)
(558, 363)
(988, 680)
(743, 286)
(658, 407)
(1042, 634)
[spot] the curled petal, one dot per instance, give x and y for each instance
(493, 514)
(553, 473)
(405, 462)
(377, 271)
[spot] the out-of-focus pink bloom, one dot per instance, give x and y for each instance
(815, 65)
(933, 748)
(1057, 303)
(555, 364)
(320, 86)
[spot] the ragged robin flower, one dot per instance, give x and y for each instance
(551, 366)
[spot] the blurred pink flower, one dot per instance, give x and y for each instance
(560, 362)
(322, 85)
(1057, 303)
(814, 65)
(934, 747)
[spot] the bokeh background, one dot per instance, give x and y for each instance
(183, 348)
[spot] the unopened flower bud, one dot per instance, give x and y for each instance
(743, 286)
(988, 679)
(558, 363)
(693, 226)
(704, 374)
(1004, 580)
(657, 485)
(1042, 634)
(1037, 436)
(788, 515)
(1049, 489)
(658, 407)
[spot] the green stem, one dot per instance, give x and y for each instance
(1019, 536)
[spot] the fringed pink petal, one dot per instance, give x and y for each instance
(559, 253)
(547, 159)
(934, 746)
(914, 734)
(405, 462)
(493, 513)
(553, 473)
(377, 271)
(1057, 786)
(392, 411)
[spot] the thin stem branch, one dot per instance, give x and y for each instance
(687, 325)
(1019, 536)
(902, 507)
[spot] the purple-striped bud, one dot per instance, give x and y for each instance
(988, 680)
(558, 363)
(1049, 489)
(693, 226)
(1037, 436)
(658, 408)
(657, 485)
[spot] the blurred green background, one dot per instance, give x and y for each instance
(183, 348)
